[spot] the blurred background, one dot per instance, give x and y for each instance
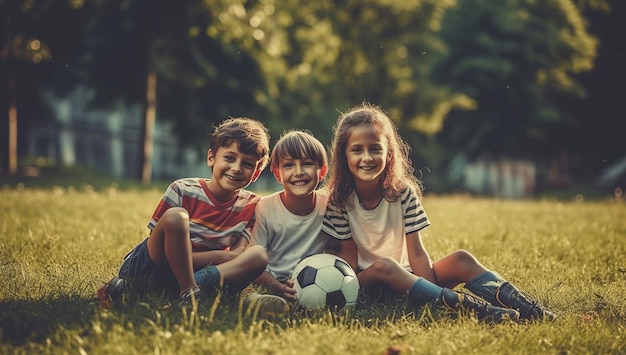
(506, 98)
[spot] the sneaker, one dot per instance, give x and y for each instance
(269, 306)
(112, 292)
(529, 309)
(484, 311)
(185, 300)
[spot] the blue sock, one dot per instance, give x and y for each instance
(486, 285)
(423, 292)
(207, 278)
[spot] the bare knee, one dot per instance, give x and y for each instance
(385, 268)
(257, 256)
(175, 218)
(464, 259)
(172, 226)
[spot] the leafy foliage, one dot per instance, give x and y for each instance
(514, 60)
(458, 77)
(201, 80)
(319, 58)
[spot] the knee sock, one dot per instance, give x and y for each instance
(208, 278)
(486, 285)
(423, 292)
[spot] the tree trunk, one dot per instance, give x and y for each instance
(11, 136)
(148, 128)
(12, 126)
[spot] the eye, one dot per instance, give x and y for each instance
(249, 164)
(287, 165)
(229, 158)
(356, 149)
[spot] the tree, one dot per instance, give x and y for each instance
(199, 80)
(33, 39)
(515, 60)
(318, 58)
(598, 135)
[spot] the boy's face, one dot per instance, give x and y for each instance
(232, 170)
(299, 177)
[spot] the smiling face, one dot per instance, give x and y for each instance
(366, 154)
(232, 171)
(299, 177)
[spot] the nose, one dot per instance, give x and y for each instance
(236, 167)
(299, 169)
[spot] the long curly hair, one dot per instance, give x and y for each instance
(399, 172)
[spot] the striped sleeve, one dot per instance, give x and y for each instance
(336, 223)
(173, 197)
(415, 218)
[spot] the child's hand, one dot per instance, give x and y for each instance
(288, 292)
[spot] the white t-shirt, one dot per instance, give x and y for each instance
(380, 232)
(288, 238)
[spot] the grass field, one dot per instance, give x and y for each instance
(57, 246)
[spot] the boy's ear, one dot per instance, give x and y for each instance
(277, 176)
(210, 158)
(323, 171)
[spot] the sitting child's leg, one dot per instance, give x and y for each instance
(424, 292)
(493, 288)
(236, 273)
(169, 245)
(208, 279)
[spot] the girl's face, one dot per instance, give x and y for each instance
(366, 154)
(232, 171)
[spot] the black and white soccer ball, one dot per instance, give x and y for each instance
(325, 280)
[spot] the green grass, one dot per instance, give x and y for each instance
(57, 246)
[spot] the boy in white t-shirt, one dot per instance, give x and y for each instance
(288, 222)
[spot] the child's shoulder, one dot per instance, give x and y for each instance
(322, 195)
(248, 196)
(269, 200)
(187, 181)
(409, 196)
(271, 195)
(182, 183)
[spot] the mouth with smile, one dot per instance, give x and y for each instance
(299, 183)
(232, 178)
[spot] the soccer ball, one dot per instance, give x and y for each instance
(325, 280)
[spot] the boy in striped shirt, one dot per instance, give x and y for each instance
(201, 228)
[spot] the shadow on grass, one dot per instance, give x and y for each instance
(23, 321)
(36, 321)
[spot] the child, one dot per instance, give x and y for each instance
(289, 221)
(200, 230)
(376, 216)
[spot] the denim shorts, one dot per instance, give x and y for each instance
(144, 275)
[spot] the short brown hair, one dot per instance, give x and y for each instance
(251, 136)
(298, 144)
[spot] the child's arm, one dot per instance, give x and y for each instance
(216, 257)
(345, 249)
(419, 258)
(239, 245)
(285, 290)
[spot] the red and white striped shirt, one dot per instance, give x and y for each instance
(212, 225)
